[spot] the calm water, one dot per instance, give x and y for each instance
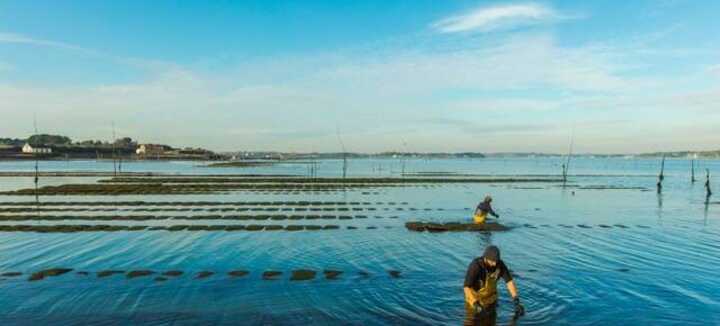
(660, 268)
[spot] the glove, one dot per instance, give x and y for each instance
(519, 309)
(478, 308)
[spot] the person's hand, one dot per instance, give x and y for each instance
(477, 308)
(519, 309)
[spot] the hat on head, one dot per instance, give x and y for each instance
(492, 253)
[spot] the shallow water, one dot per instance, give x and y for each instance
(580, 256)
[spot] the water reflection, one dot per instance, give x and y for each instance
(599, 268)
(486, 318)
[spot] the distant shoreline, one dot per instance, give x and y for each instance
(219, 163)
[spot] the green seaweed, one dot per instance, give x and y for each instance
(173, 273)
(48, 273)
(271, 275)
(175, 228)
(454, 227)
(254, 227)
(302, 275)
(294, 227)
(238, 273)
(331, 274)
(106, 273)
(139, 273)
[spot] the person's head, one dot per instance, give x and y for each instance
(491, 256)
(488, 199)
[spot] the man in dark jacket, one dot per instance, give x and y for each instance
(481, 285)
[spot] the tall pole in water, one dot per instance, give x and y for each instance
(566, 166)
(36, 180)
(404, 157)
(119, 161)
(344, 163)
(708, 192)
(661, 177)
(114, 140)
(344, 170)
(314, 163)
(692, 171)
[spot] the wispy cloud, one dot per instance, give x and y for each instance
(23, 39)
(487, 19)
(528, 87)
(150, 65)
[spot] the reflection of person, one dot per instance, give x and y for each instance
(482, 211)
(481, 287)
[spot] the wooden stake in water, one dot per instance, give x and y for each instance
(114, 140)
(708, 192)
(344, 169)
(692, 171)
(404, 157)
(37, 170)
(566, 166)
(120, 163)
(661, 177)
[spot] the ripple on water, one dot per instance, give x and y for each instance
(567, 274)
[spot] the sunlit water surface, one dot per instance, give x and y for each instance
(661, 266)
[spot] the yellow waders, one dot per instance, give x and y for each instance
(480, 218)
(487, 294)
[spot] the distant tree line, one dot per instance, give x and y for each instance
(64, 141)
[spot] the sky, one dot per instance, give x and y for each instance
(415, 75)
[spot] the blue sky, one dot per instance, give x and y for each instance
(489, 76)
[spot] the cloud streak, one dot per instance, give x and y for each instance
(22, 39)
(524, 88)
(488, 19)
(441, 97)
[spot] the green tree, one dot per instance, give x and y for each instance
(45, 139)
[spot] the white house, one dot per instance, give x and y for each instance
(36, 150)
(150, 149)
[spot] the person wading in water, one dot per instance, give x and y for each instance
(480, 288)
(482, 211)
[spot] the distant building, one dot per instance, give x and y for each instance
(150, 149)
(36, 150)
